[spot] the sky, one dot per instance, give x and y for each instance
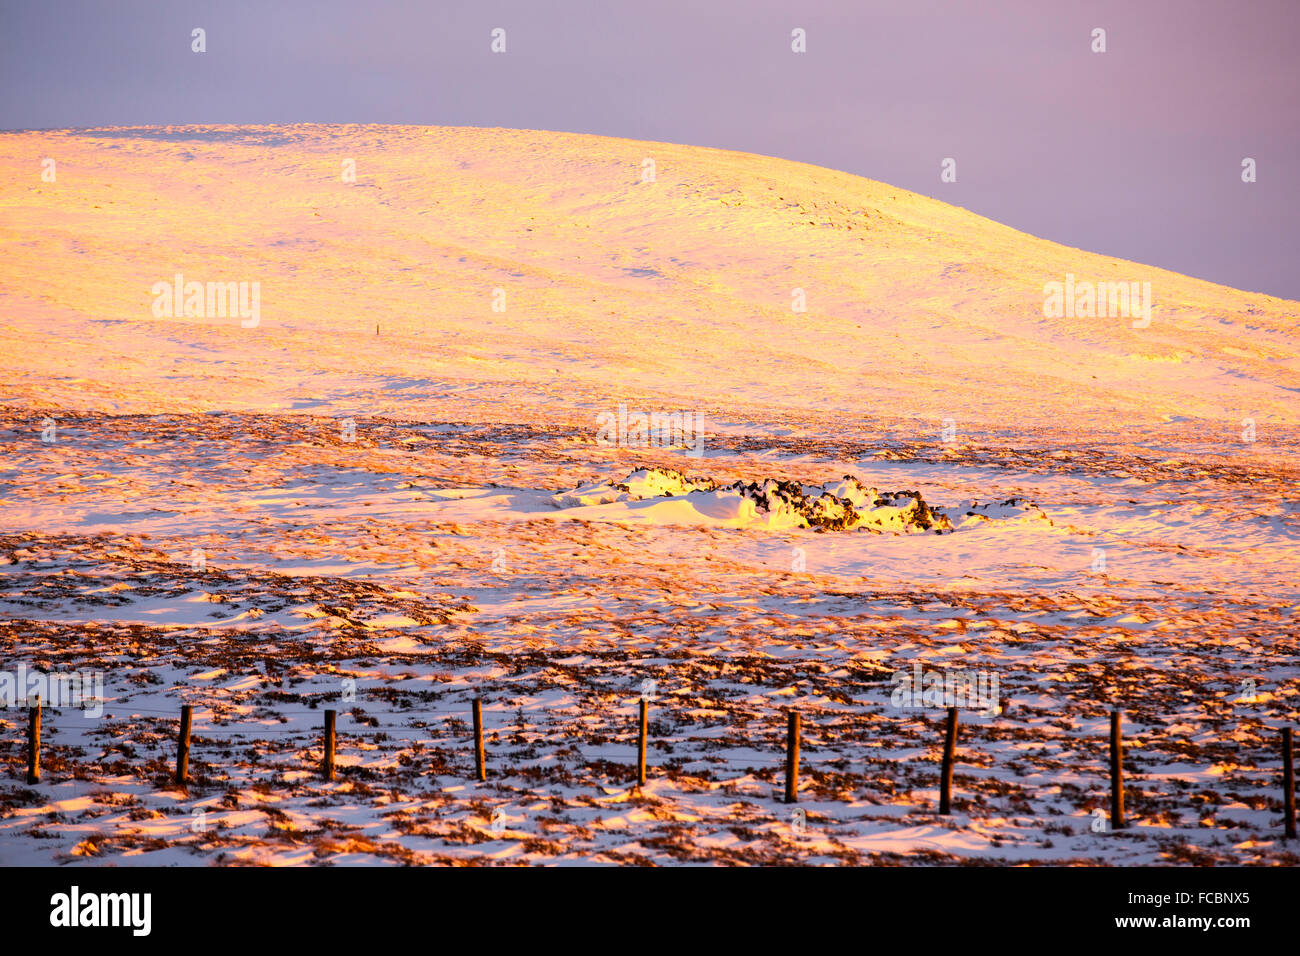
(1135, 152)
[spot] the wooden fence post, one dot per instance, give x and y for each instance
(34, 742)
(183, 744)
(792, 757)
(327, 764)
(1116, 771)
(1288, 784)
(640, 750)
(479, 764)
(945, 775)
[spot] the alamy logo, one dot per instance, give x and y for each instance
(1087, 300)
(948, 687)
(84, 689)
(212, 300)
(134, 910)
(653, 430)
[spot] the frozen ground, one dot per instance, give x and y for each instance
(469, 539)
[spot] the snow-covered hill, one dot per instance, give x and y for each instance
(679, 290)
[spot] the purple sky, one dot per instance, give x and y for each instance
(1134, 153)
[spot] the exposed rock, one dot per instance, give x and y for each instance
(844, 505)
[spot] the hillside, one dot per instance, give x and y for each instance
(677, 290)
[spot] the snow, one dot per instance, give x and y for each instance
(776, 504)
(1108, 538)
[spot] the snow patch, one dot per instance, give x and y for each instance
(843, 505)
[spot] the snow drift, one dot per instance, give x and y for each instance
(844, 505)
